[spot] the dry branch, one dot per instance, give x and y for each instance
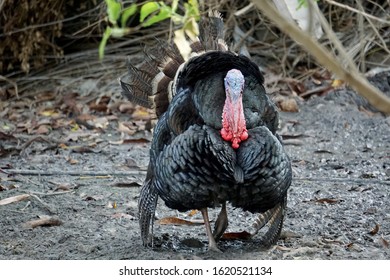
(352, 76)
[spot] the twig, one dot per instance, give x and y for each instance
(47, 23)
(244, 10)
(357, 11)
(14, 84)
(50, 194)
(48, 208)
(316, 90)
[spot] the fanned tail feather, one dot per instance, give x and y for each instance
(211, 32)
(146, 211)
(274, 217)
(151, 83)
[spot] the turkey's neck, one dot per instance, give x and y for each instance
(233, 121)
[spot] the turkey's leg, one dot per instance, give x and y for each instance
(212, 244)
(221, 224)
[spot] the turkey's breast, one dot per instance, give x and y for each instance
(198, 169)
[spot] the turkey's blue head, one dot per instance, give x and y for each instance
(233, 119)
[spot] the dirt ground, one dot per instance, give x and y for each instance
(338, 204)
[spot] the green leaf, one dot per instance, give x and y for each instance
(103, 42)
(191, 28)
(127, 13)
(194, 10)
(165, 12)
(174, 5)
(147, 9)
(113, 10)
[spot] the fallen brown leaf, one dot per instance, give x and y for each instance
(126, 184)
(243, 235)
(374, 230)
(44, 221)
(283, 248)
(289, 105)
(127, 128)
(193, 213)
(384, 242)
(141, 113)
(327, 200)
(179, 222)
(12, 199)
(72, 161)
(136, 140)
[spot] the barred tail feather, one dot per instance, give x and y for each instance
(151, 84)
(146, 211)
(274, 217)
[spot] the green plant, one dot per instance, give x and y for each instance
(151, 13)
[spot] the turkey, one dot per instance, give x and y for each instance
(215, 141)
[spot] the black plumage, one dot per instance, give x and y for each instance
(191, 165)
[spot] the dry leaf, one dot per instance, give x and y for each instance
(12, 199)
(49, 113)
(63, 146)
(289, 105)
(327, 200)
(126, 184)
(136, 140)
(140, 113)
(63, 187)
(243, 235)
(179, 222)
(126, 107)
(337, 83)
(72, 161)
(374, 230)
(127, 128)
(118, 142)
(193, 213)
(316, 81)
(282, 248)
(42, 129)
(45, 221)
(384, 242)
(101, 122)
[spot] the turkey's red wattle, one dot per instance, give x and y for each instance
(233, 119)
(233, 131)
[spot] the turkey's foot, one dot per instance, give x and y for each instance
(221, 224)
(212, 243)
